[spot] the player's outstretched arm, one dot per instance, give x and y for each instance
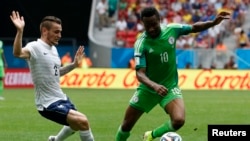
(79, 56)
(19, 23)
(77, 60)
(200, 26)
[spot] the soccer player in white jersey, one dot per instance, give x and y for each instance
(45, 66)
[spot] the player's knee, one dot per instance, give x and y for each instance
(83, 123)
(79, 123)
(126, 127)
(178, 123)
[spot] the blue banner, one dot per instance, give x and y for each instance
(121, 56)
(243, 58)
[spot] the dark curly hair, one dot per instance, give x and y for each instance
(150, 11)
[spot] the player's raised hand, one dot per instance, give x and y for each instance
(222, 16)
(17, 20)
(79, 56)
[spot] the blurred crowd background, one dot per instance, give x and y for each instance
(114, 26)
(215, 48)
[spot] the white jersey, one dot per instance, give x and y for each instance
(44, 64)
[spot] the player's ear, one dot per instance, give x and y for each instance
(44, 30)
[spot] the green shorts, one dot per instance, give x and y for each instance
(146, 101)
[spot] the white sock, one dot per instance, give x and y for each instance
(86, 135)
(65, 132)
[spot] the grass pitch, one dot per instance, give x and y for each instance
(19, 119)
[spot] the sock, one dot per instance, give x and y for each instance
(1, 87)
(159, 131)
(121, 135)
(65, 132)
(86, 135)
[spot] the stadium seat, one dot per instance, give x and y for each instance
(121, 34)
(129, 42)
(132, 33)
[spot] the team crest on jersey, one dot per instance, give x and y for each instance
(151, 50)
(171, 40)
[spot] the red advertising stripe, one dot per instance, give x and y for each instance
(126, 79)
(18, 78)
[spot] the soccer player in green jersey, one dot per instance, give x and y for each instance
(3, 64)
(156, 70)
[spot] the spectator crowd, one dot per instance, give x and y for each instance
(128, 25)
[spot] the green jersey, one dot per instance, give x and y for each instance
(158, 55)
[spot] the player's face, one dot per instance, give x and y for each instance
(152, 26)
(54, 34)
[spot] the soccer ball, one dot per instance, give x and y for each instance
(171, 136)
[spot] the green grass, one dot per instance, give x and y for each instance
(20, 121)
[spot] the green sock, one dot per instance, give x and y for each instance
(121, 135)
(159, 131)
(1, 87)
